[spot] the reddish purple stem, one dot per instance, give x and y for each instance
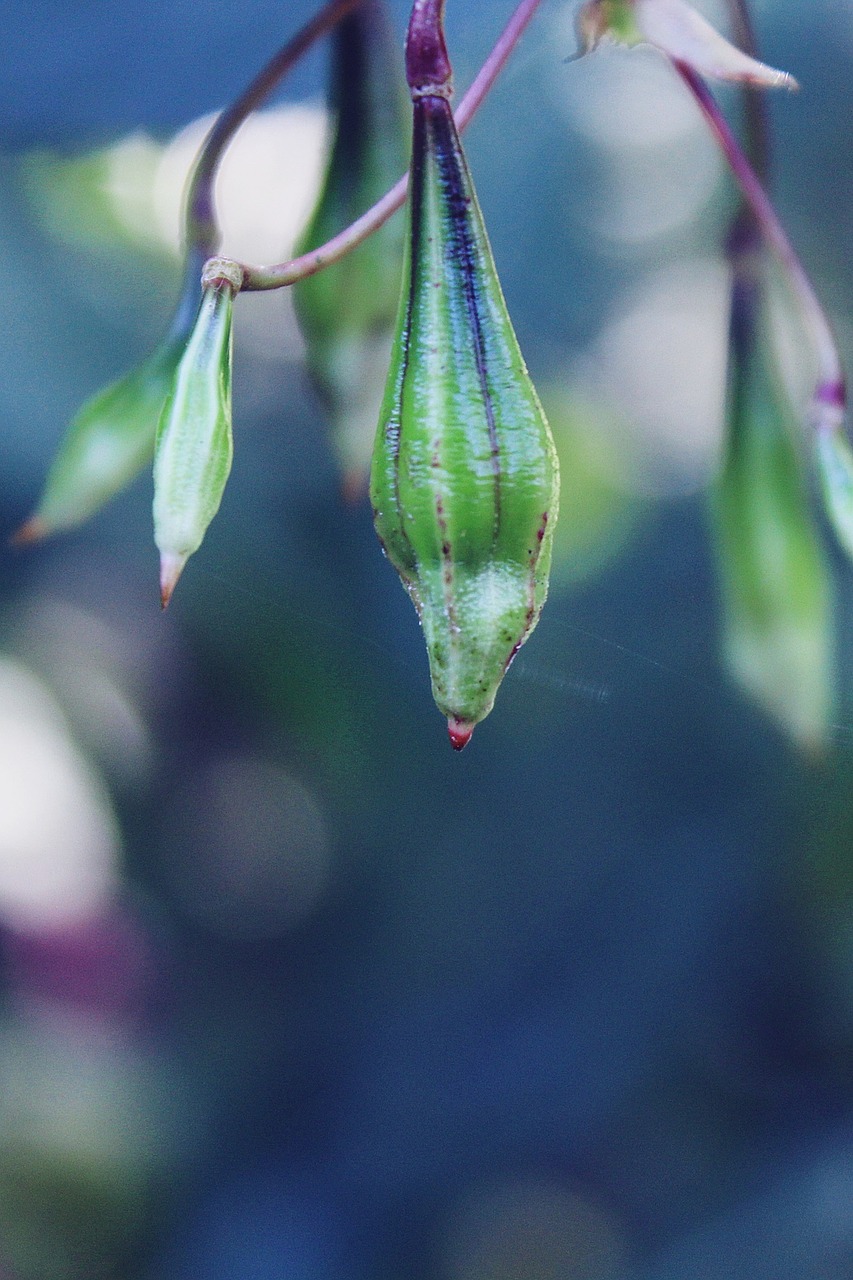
(427, 62)
(202, 231)
(282, 274)
(831, 389)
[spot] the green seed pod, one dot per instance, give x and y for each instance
(111, 439)
(347, 311)
(464, 481)
(776, 594)
(194, 448)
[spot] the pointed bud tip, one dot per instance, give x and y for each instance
(460, 732)
(33, 530)
(171, 568)
(770, 78)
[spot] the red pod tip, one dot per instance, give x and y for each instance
(460, 732)
(34, 530)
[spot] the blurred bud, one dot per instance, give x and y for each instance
(774, 581)
(598, 20)
(194, 449)
(347, 311)
(111, 440)
(681, 33)
(464, 482)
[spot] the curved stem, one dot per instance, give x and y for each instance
(201, 231)
(830, 394)
(282, 274)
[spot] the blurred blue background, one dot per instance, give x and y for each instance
(289, 989)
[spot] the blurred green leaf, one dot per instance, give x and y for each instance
(101, 197)
(597, 513)
(835, 463)
(776, 593)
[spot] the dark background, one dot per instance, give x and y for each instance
(341, 1005)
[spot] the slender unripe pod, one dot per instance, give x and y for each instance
(774, 583)
(108, 443)
(194, 447)
(346, 312)
(111, 439)
(464, 481)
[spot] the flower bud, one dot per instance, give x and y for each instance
(346, 312)
(193, 450)
(674, 27)
(464, 483)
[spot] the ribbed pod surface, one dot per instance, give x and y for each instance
(465, 479)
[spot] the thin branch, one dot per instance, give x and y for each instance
(201, 230)
(286, 273)
(830, 394)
